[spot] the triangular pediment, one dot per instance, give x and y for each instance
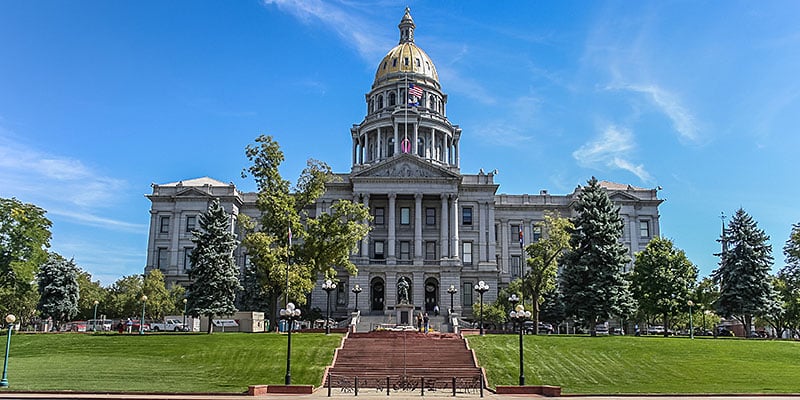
(621, 196)
(192, 192)
(406, 166)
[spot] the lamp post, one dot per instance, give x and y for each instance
(141, 321)
(519, 315)
(328, 286)
(184, 314)
(290, 314)
(452, 290)
(691, 323)
(481, 288)
(94, 321)
(10, 319)
(356, 289)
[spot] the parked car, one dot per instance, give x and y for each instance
(655, 330)
(601, 329)
(169, 324)
(74, 326)
(135, 326)
(545, 328)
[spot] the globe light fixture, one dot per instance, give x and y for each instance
(289, 314)
(519, 315)
(452, 290)
(481, 288)
(184, 315)
(10, 319)
(141, 321)
(94, 321)
(356, 289)
(691, 322)
(328, 286)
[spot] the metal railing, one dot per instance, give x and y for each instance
(348, 384)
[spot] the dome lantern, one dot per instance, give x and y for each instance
(407, 28)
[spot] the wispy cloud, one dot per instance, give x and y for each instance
(344, 19)
(57, 182)
(611, 150)
(682, 119)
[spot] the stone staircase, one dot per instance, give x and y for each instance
(404, 360)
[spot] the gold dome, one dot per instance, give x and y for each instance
(406, 57)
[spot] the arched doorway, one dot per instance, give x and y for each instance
(376, 294)
(431, 294)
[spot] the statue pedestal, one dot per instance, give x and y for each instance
(404, 314)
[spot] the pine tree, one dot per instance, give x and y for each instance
(744, 271)
(214, 276)
(593, 282)
(790, 274)
(58, 289)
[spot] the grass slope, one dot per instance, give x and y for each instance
(166, 362)
(626, 364)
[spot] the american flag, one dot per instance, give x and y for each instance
(521, 237)
(414, 90)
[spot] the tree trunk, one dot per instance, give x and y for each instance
(666, 324)
(210, 324)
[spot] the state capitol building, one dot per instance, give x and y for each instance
(433, 225)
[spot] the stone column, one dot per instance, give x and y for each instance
(418, 245)
(491, 225)
(152, 255)
(504, 229)
(480, 213)
(392, 227)
(365, 242)
(378, 153)
(396, 140)
(455, 252)
(366, 147)
(443, 227)
(418, 291)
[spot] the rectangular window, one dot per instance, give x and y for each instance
(537, 233)
(164, 224)
(405, 250)
(379, 250)
(466, 253)
(405, 216)
(341, 294)
(430, 216)
(191, 223)
(163, 258)
(514, 233)
(466, 216)
(187, 261)
(430, 250)
(514, 267)
(644, 229)
(380, 212)
(466, 294)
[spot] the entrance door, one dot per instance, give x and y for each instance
(376, 291)
(431, 294)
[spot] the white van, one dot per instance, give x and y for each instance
(101, 324)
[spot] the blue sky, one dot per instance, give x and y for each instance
(99, 99)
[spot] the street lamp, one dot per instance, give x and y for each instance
(328, 286)
(452, 290)
(10, 319)
(94, 321)
(184, 314)
(141, 321)
(289, 314)
(519, 315)
(691, 323)
(356, 289)
(481, 288)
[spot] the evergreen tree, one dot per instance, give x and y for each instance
(58, 289)
(744, 271)
(593, 283)
(663, 280)
(214, 276)
(790, 275)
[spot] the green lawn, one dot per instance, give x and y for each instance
(230, 362)
(164, 362)
(615, 364)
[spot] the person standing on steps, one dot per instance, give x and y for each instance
(425, 321)
(419, 322)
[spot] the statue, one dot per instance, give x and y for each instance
(402, 290)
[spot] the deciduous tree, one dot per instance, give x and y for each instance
(543, 257)
(744, 271)
(214, 276)
(663, 280)
(592, 281)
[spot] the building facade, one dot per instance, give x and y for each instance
(434, 226)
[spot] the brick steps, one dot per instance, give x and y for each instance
(401, 356)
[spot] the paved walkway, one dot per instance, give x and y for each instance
(322, 394)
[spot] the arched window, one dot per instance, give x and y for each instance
(432, 102)
(380, 102)
(371, 107)
(392, 99)
(421, 147)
